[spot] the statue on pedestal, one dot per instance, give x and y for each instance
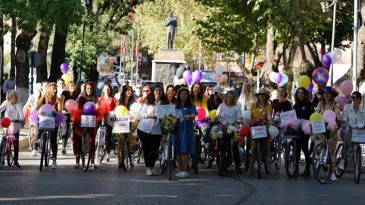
(171, 29)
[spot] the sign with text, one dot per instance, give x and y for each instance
(47, 123)
(258, 132)
(164, 110)
(318, 126)
(358, 136)
(290, 115)
(88, 120)
(121, 127)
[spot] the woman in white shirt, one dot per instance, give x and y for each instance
(149, 128)
(13, 111)
(228, 113)
(353, 116)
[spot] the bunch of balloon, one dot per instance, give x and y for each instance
(278, 78)
(331, 58)
(178, 78)
(219, 77)
(64, 69)
(192, 77)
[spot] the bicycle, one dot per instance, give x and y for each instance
(87, 121)
(275, 147)
(167, 156)
(127, 155)
(46, 125)
(6, 150)
(356, 140)
(291, 154)
(321, 160)
(195, 158)
(259, 134)
(101, 142)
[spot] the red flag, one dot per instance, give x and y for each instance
(137, 47)
(122, 47)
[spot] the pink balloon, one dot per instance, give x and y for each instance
(346, 87)
(341, 101)
(46, 108)
(197, 76)
(329, 116)
(201, 114)
(187, 76)
(70, 105)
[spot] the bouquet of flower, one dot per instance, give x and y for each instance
(218, 131)
(259, 121)
(203, 125)
(168, 124)
(232, 129)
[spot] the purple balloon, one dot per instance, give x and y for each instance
(89, 108)
(310, 95)
(197, 76)
(46, 108)
(187, 75)
(310, 87)
(326, 60)
(278, 77)
(64, 68)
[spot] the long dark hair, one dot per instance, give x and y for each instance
(93, 96)
(306, 95)
(151, 97)
(188, 102)
(173, 100)
(123, 96)
(200, 95)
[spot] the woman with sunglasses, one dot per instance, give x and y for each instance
(107, 103)
(328, 103)
(149, 128)
(88, 95)
(353, 116)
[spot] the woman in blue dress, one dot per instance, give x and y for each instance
(184, 140)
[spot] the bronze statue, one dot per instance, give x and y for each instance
(171, 29)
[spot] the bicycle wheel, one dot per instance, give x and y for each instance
(130, 154)
(43, 153)
(10, 156)
(169, 157)
(291, 158)
(88, 150)
(83, 148)
(124, 153)
(339, 172)
(221, 164)
(277, 152)
(2, 152)
(196, 156)
(320, 163)
(358, 161)
(258, 158)
(48, 152)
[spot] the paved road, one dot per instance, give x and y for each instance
(108, 185)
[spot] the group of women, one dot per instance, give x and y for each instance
(229, 111)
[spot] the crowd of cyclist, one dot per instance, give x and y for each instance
(229, 105)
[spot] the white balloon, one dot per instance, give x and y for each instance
(273, 131)
(271, 76)
(220, 70)
(284, 80)
(336, 55)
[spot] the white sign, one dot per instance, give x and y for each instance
(318, 126)
(164, 110)
(358, 136)
(121, 127)
(88, 120)
(258, 132)
(290, 115)
(47, 123)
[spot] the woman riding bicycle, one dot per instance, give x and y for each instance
(281, 103)
(246, 97)
(329, 103)
(88, 95)
(228, 113)
(262, 111)
(353, 116)
(303, 108)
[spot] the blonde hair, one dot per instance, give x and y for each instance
(49, 93)
(10, 94)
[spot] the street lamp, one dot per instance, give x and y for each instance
(325, 6)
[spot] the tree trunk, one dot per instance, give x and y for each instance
(12, 49)
(23, 42)
(305, 64)
(58, 54)
(268, 66)
(42, 73)
(1, 50)
(361, 43)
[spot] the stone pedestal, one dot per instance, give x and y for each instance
(165, 64)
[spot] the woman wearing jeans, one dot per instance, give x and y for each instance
(149, 128)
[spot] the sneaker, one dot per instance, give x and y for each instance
(153, 171)
(34, 153)
(16, 164)
(64, 152)
(178, 174)
(54, 164)
(333, 177)
(341, 165)
(149, 172)
(93, 166)
(183, 175)
(77, 166)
